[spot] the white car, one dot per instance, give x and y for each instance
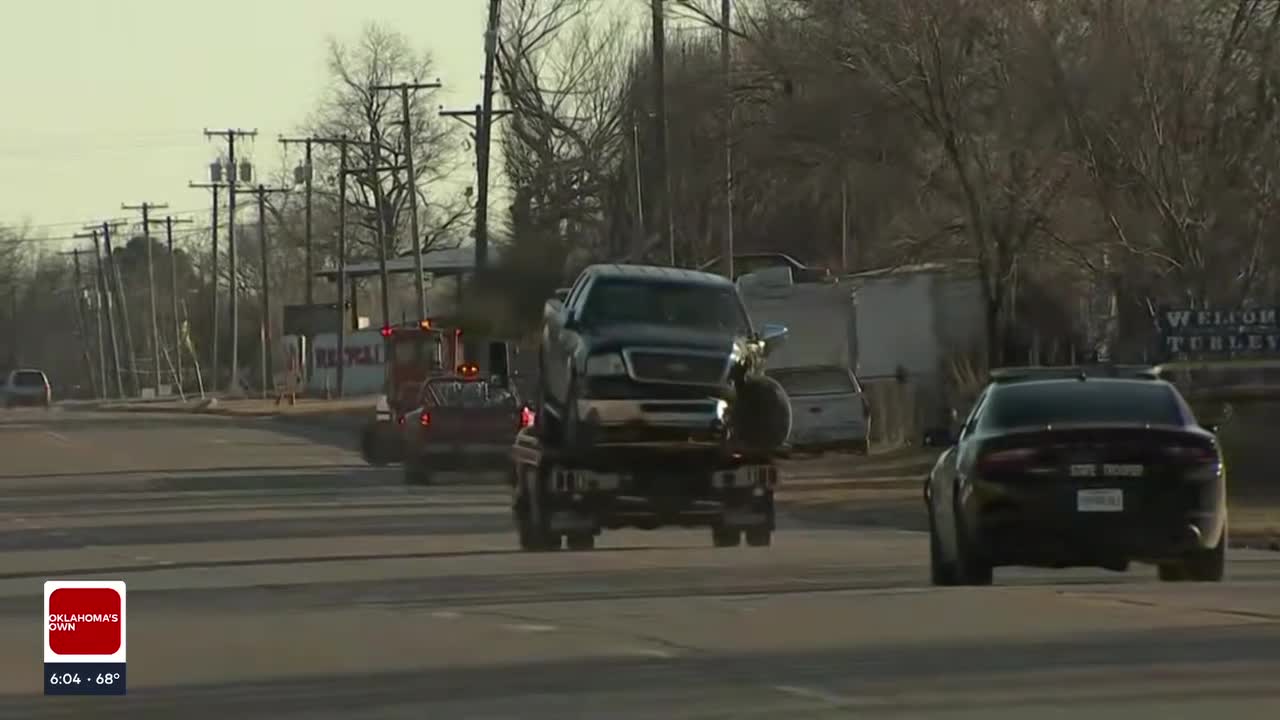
(828, 408)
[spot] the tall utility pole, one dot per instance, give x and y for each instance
(372, 178)
(343, 171)
(306, 179)
(663, 204)
(726, 250)
(146, 209)
(261, 192)
(114, 277)
(82, 323)
(419, 283)
(233, 290)
(105, 315)
(214, 308)
(475, 119)
(169, 222)
(342, 266)
(484, 135)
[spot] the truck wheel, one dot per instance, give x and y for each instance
(581, 541)
(759, 537)
(726, 537)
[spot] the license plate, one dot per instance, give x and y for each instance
(1122, 470)
(1100, 500)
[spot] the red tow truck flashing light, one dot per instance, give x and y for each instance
(526, 417)
(387, 331)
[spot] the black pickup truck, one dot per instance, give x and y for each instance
(653, 410)
(636, 355)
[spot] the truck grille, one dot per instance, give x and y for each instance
(680, 368)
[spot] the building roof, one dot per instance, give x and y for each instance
(445, 262)
(658, 272)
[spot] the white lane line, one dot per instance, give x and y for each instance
(822, 696)
(650, 652)
(446, 615)
(530, 627)
(57, 436)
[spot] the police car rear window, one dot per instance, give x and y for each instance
(1090, 401)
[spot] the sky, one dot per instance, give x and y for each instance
(104, 102)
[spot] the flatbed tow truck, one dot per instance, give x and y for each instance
(558, 501)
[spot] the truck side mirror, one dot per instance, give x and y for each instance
(774, 336)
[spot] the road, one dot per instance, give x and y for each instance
(272, 575)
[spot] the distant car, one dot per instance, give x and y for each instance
(828, 408)
(1078, 471)
(461, 423)
(27, 387)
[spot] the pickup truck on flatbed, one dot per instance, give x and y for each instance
(653, 409)
(636, 355)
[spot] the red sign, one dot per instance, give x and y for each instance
(85, 621)
(360, 355)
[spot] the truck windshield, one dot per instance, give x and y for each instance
(617, 301)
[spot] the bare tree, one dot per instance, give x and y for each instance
(350, 108)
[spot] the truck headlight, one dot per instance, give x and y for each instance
(606, 364)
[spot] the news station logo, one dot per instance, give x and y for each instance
(84, 637)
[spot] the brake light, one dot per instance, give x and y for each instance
(526, 417)
(425, 419)
(1004, 460)
(386, 331)
(1191, 454)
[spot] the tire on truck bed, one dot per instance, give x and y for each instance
(762, 414)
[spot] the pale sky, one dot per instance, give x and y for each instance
(105, 101)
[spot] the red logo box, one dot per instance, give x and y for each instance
(85, 621)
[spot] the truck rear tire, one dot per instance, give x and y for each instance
(726, 537)
(581, 541)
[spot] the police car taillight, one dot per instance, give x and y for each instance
(424, 419)
(1005, 460)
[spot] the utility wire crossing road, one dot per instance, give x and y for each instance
(272, 575)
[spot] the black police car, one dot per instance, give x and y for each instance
(1076, 467)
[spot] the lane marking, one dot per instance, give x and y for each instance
(57, 436)
(650, 652)
(446, 615)
(822, 696)
(530, 627)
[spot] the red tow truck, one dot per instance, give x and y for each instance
(415, 353)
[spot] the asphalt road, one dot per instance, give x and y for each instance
(272, 575)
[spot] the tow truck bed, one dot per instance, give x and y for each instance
(638, 487)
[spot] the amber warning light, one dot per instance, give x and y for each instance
(468, 370)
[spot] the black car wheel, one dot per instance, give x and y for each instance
(1207, 565)
(941, 572)
(972, 567)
